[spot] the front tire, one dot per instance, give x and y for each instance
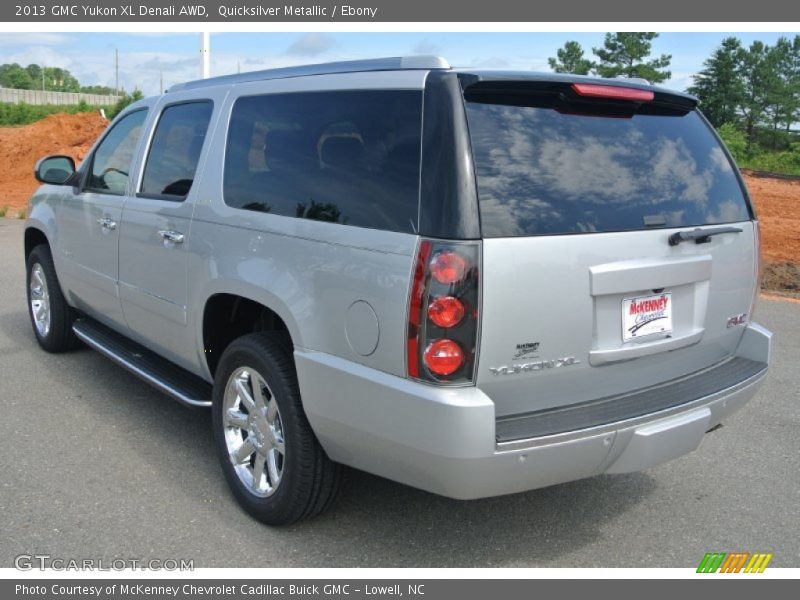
(269, 455)
(51, 316)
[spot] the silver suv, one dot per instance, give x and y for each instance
(472, 282)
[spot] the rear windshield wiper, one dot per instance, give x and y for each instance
(700, 236)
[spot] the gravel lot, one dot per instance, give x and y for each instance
(95, 464)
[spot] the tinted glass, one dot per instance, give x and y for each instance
(111, 163)
(175, 150)
(344, 157)
(541, 171)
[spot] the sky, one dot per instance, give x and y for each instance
(147, 57)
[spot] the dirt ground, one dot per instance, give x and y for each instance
(778, 206)
(777, 200)
(21, 147)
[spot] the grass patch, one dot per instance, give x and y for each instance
(784, 163)
(3, 211)
(24, 114)
(756, 157)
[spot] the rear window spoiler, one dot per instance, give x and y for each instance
(500, 86)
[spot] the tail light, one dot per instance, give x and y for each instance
(612, 92)
(443, 312)
(446, 311)
(443, 357)
(448, 267)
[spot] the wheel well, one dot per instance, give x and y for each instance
(227, 317)
(33, 237)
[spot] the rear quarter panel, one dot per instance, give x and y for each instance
(309, 272)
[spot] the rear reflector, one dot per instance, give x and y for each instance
(443, 357)
(446, 311)
(612, 92)
(448, 267)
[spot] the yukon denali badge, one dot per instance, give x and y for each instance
(539, 365)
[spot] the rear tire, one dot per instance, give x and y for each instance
(269, 455)
(51, 316)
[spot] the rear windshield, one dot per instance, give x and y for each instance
(541, 171)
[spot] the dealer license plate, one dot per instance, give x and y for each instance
(646, 315)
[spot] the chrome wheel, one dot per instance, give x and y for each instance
(253, 432)
(40, 300)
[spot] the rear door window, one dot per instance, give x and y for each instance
(175, 150)
(543, 171)
(348, 157)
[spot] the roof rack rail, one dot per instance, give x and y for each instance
(349, 66)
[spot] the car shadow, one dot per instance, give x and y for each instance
(374, 523)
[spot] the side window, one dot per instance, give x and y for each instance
(175, 150)
(348, 157)
(111, 162)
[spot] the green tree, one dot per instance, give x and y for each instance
(758, 76)
(784, 99)
(60, 80)
(35, 72)
(14, 76)
(570, 59)
(719, 85)
(624, 54)
(55, 79)
(735, 141)
(123, 102)
(97, 89)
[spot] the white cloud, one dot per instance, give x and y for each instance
(40, 55)
(425, 46)
(47, 39)
(680, 80)
(492, 62)
(312, 44)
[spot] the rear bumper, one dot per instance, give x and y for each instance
(445, 440)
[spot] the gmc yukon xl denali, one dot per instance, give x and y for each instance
(472, 282)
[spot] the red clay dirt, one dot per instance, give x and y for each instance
(777, 203)
(778, 206)
(777, 199)
(21, 147)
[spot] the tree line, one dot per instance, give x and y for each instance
(750, 94)
(621, 55)
(755, 90)
(23, 114)
(51, 79)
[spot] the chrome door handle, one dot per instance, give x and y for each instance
(176, 237)
(107, 223)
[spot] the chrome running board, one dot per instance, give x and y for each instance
(166, 377)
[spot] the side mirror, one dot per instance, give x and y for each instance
(56, 170)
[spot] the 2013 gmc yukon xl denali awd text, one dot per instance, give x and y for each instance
(472, 282)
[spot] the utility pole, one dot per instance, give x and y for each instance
(161, 81)
(116, 71)
(238, 67)
(43, 68)
(205, 55)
